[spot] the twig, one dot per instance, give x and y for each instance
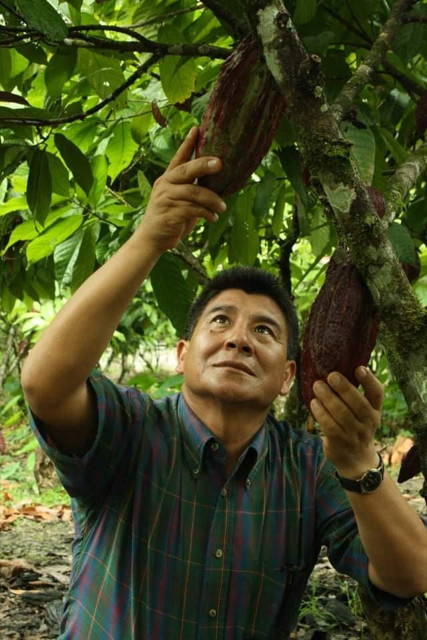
(412, 87)
(374, 58)
(12, 11)
(165, 16)
(350, 26)
(81, 116)
(238, 28)
(184, 253)
(143, 45)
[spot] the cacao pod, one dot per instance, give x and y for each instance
(342, 327)
(411, 465)
(241, 118)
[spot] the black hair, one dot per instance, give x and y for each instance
(250, 280)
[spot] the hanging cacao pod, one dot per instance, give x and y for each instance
(342, 327)
(241, 118)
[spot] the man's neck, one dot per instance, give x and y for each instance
(233, 424)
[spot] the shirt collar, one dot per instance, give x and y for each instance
(196, 435)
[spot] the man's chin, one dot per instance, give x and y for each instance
(227, 393)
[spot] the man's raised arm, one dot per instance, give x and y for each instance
(55, 373)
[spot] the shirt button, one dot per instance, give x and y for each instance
(214, 446)
(223, 492)
(219, 553)
(248, 483)
(212, 613)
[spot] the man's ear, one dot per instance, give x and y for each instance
(181, 350)
(288, 376)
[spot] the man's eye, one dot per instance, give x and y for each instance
(220, 319)
(262, 328)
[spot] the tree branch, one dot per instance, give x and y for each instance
(403, 180)
(143, 45)
(350, 25)
(165, 16)
(412, 87)
(374, 58)
(237, 27)
(327, 156)
(186, 255)
(54, 122)
(11, 10)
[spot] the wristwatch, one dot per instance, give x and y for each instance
(367, 483)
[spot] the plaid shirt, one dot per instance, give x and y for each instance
(167, 547)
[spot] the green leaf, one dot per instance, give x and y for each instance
(42, 16)
(264, 195)
(290, 160)
(103, 73)
(24, 231)
(5, 67)
(100, 173)
(279, 210)
(45, 244)
(76, 161)
(402, 242)
(305, 11)
(59, 69)
(60, 179)
(244, 240)
(144, 187)
(24, 113)
(178, 77)
(15, 204)
(85, 259)
(65, 256)
(319, 236)
(39, 186)
(121, 149)
(165, 278)
(363, 151)
(398, 152)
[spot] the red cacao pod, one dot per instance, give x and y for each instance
(342, 327)
(241, 118)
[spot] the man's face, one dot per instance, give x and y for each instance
(237, 352)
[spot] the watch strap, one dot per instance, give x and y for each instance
(368, 482)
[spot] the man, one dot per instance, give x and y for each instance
(200, 516)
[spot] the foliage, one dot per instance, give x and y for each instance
(96, 96)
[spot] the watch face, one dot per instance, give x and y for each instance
(371, 480)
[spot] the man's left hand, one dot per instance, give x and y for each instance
(348, 420)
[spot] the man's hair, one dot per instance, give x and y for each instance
(250, 280)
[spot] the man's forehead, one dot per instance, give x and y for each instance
(255, 303)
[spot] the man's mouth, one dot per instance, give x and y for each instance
(235, 365)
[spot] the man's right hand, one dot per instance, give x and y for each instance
(176, 202)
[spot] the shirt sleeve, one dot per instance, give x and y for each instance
(337, 529)
(120, 419)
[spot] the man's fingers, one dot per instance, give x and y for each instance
(195, 195)
(188, 172)
(185, 150)
(372, 387)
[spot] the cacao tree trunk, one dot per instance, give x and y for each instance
(326, 155)
(407, 623)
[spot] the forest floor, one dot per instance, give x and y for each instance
(35, 543)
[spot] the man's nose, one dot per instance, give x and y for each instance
(238, 339)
